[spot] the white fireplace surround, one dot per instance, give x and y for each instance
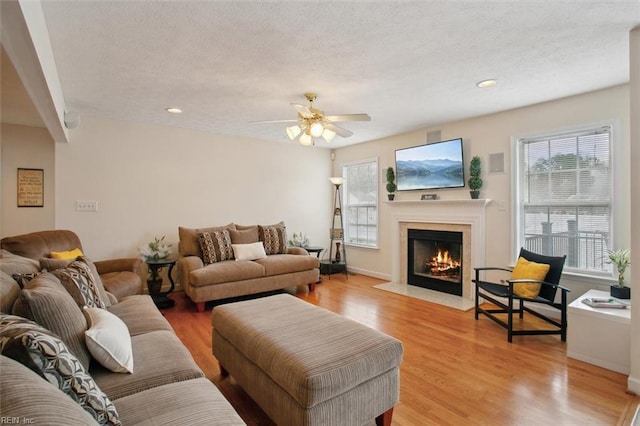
(466, 216)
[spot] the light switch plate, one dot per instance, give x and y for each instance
(86, 205)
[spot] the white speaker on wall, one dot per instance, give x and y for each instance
(496, 163)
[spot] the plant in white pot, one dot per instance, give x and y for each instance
(391, 183)
(621, 258)
(475, 182)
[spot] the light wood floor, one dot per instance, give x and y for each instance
(455, 371)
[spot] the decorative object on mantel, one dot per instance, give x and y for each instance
(622, 259)
(155, 250)
(391, 183)
(299, 240)
(475, 182)
(429, 197)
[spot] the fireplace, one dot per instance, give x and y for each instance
(434, 260)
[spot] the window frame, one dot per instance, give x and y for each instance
(517, 203)
(345, 204)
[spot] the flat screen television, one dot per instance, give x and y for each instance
(431, 166)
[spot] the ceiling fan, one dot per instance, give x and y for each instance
(312, 123)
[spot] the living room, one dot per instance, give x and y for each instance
(149, 178)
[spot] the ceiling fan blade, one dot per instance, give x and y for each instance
(275, 121)
(303, 110)
(339, 130)
(348, 117)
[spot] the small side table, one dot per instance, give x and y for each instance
(316, 250)
(154, 283)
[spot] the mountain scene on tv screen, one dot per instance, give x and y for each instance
(424, 174)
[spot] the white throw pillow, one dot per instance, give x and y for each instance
(108, 340)
(251, 251)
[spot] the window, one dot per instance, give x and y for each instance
(565, 198)
(361, 203)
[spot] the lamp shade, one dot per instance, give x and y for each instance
(328, 135)
(337, 181)
(305, 139)
(293, 131)
(316, 129)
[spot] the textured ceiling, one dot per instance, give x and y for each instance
(409, 65)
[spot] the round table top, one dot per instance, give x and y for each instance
(313, 249)
(160, 262)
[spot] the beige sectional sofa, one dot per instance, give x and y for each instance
(206, 277)
(165, 386)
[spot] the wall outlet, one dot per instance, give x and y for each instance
(86, 206)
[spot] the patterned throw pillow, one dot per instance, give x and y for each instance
(216, 246)
(274, 239)
(23, 279)
(80, 282)
(44, 353)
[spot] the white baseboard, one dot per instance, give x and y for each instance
(633, 385)
(368, 273)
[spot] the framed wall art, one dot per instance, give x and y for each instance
(30, 187)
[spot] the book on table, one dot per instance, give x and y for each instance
(599, 302)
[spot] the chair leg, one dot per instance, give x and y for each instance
(521, 310)
(563, 317)
(510, 320)
(477, 297)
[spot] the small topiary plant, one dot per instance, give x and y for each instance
(475, 182)
(391, 184)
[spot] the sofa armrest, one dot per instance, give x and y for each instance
(297, 250)
(185, 266)
(118, 265)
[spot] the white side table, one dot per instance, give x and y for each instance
(599, 336)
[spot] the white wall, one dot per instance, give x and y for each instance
(31, 148)
(148, 180)
(493, 134)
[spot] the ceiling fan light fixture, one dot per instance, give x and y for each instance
(293, 131)
(328, 135)
(305, 139)
(316, 129)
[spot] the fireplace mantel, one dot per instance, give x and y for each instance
(468, 214)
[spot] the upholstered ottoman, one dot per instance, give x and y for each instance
(304, 365)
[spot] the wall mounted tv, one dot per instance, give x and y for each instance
(431, 166)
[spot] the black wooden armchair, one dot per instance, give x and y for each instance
(549, 286)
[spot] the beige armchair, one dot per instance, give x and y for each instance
(119, 276)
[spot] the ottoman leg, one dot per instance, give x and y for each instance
(384, 419)
(200, 306)
(312, 287)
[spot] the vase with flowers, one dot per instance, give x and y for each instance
(621, 258)
(155, 250)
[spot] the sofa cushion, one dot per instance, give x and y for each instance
(52, 264)
(121, 284)
(140, 314)
(46, 302)
(190, 402)
(278, 264)
(23, 279)
(108, 340)
(189, 245)
(36, 399)
(83, 284)
(165, 360)
(227, 271)
(13, 264)
(244, 236)
(215, 246)
(45, 354)
(274, 239)
(9, 292)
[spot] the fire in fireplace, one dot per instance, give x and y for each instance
(435, 260)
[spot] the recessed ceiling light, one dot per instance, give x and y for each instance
(174, 110)
(486, 83)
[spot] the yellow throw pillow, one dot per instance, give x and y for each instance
(69, 254)
(528, 270)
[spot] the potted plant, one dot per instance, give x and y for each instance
(391, 183)
(475, 182)
(621, 258)
(155, 250)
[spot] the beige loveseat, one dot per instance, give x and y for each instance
(165, 387)
(226, 276)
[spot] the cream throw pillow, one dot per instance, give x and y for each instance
(108, 340)
(528, 270)
(251, 251)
